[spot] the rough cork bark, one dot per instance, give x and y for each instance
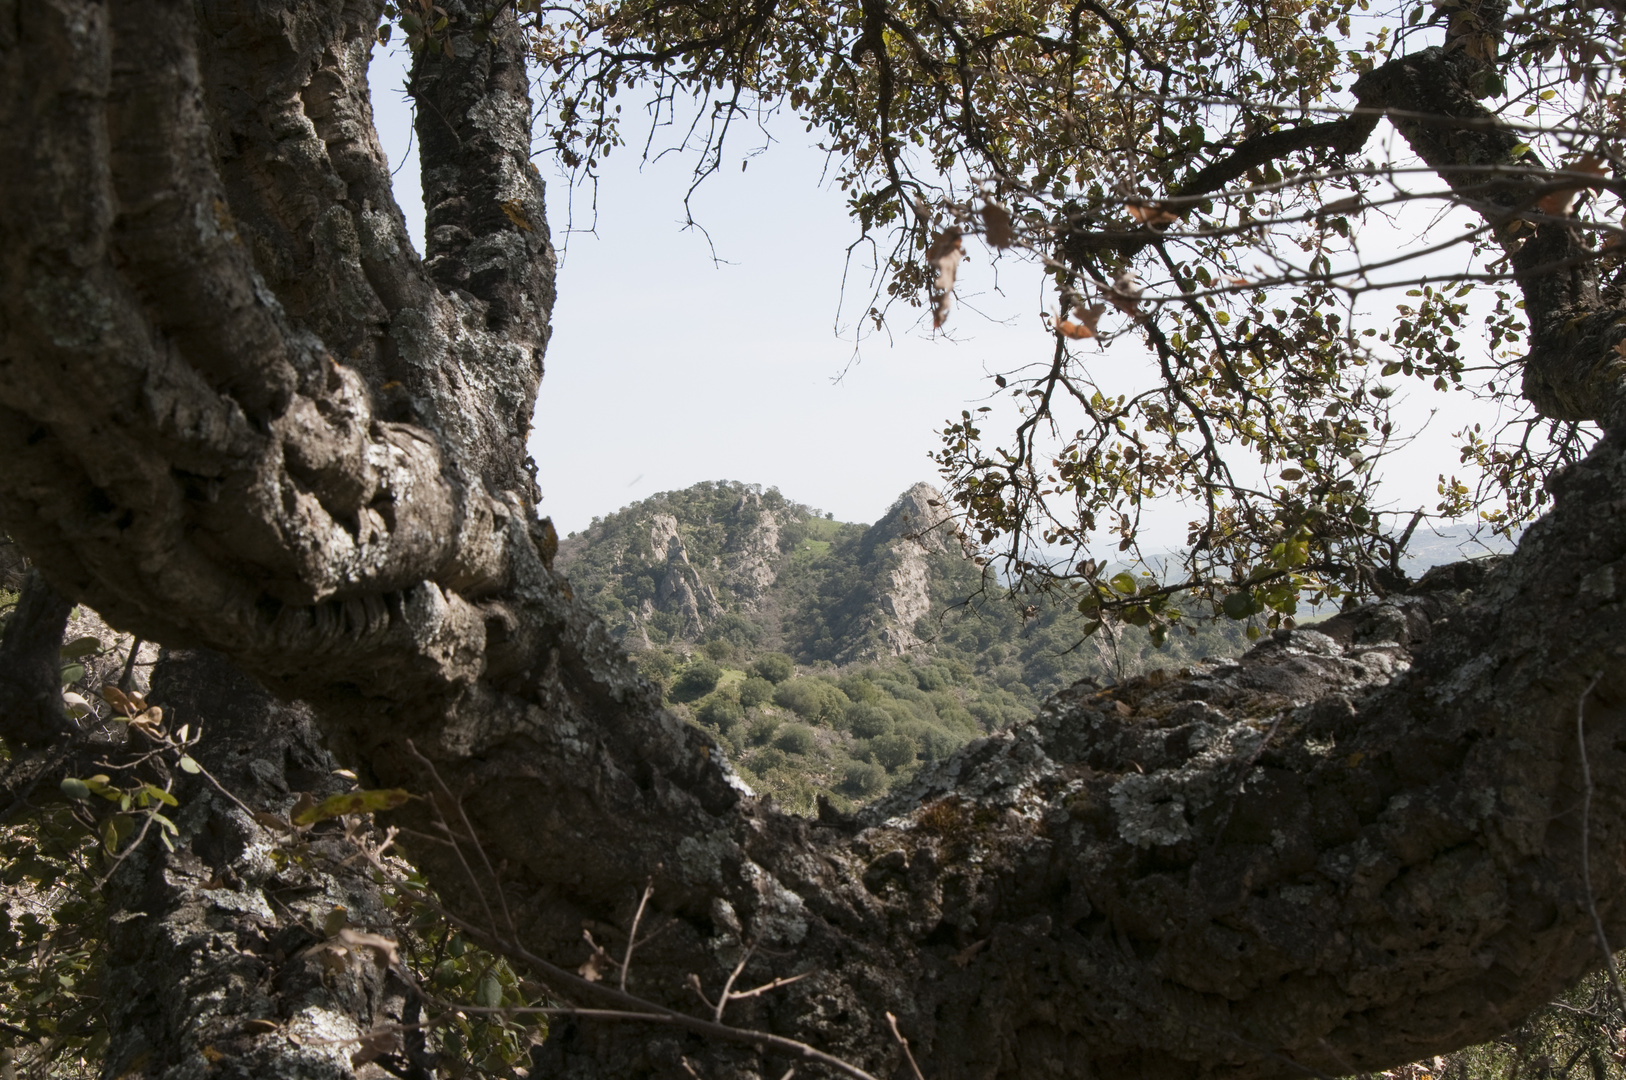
(237, 411)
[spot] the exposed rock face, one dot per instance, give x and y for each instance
(682, 591)
(733, 550)
(916, 529)
(749, 567)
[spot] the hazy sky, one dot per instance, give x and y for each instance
(667, 368)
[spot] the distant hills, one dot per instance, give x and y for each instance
(831, 657)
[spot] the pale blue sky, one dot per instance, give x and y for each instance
(667, 368)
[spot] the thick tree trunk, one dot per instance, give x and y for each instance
(236, 411)
(216, 964)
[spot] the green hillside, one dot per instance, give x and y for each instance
(837, 658)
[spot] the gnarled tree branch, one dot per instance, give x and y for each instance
(1353, 848)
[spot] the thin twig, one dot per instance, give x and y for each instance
(1586, 826)
(457, 849)
(722, 999)
(632, 935)
(758, 991)
(130, 662)
(908, 1054)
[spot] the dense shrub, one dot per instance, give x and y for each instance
(698, 680)
(858, 687)
(894, 750)
(795, 739)
(721, 711)
(863, 778)
(937, 743)
(868, 721)
(811, 699)
(762, 729)
(769, 758)
(775, 667)
(755, 691)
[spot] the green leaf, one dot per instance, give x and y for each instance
(79, 647)
(353, 802)
(75, 788)
(72, 673)
(1123, 583)
(489, 994)
(159, 794)
(1238, 605)
(188, 765)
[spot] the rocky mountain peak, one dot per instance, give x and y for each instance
(921, 516)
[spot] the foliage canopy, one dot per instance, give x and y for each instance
(1202, 176)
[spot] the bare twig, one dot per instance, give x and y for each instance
(130, 662)
(892, 1021)
(457, 849)
(1586, 826)
(758, 991)
(632, 935)
(722, 999)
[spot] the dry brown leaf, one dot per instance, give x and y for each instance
(1088, 317)
(272, 821)
(944, 256)
(996, 226)
(382, 948)
(1620, 348)
(128, 704)
(1152, 215)
(1236, 281)
(374, 1044)
(1561, 201)
(963, 957)
(148, 720)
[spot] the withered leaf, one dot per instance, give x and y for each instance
(149, 719)
(375, 1044)
(382, 948)
(1088, 317)
(1562, 200)
(1152, 215)
(944, 256)
(121, 701)
(272, 821)
(996, 226)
